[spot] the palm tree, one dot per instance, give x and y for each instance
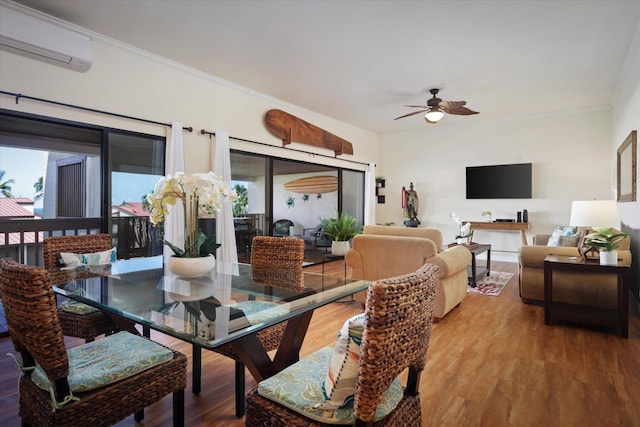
(240, 206)
(38, 186)
(5, 186)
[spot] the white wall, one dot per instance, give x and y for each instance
(569, 153)
(625, 118)
(132, 82)
(303, 214)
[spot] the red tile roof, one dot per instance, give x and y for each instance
(10, 207)
(130, 209)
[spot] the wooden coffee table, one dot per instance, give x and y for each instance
(474, 270)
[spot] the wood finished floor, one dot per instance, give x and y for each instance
(491, 362)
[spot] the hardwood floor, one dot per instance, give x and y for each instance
(491, 361)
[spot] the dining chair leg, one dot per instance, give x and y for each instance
(240, 388)
(139, 416)
(178, 408)
(196, 374)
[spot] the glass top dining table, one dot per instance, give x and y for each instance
(230, 305)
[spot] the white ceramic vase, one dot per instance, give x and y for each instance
(340, 247)
(608, 257)
(191, 267)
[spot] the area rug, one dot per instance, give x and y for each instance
(492, 284)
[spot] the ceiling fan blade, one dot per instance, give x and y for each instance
(417, 106)
(410, 114)
(452, 104)
(460, 111)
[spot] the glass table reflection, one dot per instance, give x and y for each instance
(230, 305)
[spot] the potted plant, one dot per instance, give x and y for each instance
(487, 214)
(605, 240)
(201, 196)
(342, 228)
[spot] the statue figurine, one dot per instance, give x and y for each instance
(411, 206)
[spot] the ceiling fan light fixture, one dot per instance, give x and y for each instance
(433, 115)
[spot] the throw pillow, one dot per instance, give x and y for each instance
(340, 382)
(564, 236)
(72, 260)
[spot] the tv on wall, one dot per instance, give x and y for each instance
(499, 181)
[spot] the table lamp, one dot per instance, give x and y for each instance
(593, 213)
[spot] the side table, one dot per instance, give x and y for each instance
(614, 318)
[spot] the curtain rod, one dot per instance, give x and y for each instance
(77, 107)
(205, 132)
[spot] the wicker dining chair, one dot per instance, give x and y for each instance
(87, 326)
(48, 395)
(395, 332)
(277, 262)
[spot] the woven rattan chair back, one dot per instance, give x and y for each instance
(30, 309)
(32, 317)
(397, 329)
(397, 309)
(80, 244)
(87, 326)
(277, 261)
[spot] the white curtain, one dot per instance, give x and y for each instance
(370, 194)
(225, 233)
(174, 162)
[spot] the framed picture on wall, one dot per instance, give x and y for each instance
(627, 166)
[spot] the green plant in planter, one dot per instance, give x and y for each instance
(604, 239)
(342, 227)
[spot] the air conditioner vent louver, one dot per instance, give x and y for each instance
(36, 38)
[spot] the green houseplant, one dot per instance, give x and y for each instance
(342, 228)
(606, 241)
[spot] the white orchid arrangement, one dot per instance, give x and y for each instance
(202, 195)
(465, 229)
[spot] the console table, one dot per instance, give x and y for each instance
(503, 226)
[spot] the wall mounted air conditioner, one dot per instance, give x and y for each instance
(34, 37)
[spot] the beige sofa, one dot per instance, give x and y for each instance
(598, 290)
(392, 252)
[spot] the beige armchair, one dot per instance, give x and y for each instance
(574, 288)
(379, 256)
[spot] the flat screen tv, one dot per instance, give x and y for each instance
(499, 181)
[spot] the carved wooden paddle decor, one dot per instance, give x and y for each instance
(291, 128)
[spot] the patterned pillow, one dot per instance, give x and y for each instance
(564, 236)
(72, 261)
(340, 382)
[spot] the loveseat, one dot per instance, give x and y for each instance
(597, 290)
(399, 250)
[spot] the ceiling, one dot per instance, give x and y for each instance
(360, 62)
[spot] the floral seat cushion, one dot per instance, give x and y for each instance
(107, 361)
(300, 388)
(76, 307)
(261, 311)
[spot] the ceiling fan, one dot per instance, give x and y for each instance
(436, 108)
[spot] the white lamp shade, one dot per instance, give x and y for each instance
(594, 213)
(433, 115)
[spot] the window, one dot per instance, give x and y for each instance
(87, 172)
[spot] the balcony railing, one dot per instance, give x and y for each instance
(21, 239)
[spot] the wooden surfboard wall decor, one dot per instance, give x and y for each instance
(313, 185)
(293, 129)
